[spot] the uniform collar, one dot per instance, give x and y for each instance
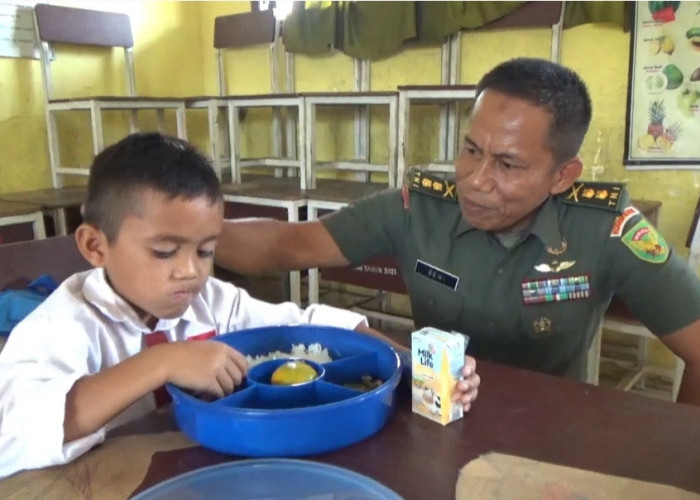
(99, 293)
(545, 225)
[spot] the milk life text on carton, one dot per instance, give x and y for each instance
(437, 358)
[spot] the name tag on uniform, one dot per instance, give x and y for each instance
(556, 289)
(436, 274)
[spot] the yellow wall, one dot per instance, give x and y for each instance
(167, 62)
(175, 56)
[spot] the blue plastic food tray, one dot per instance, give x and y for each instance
(267, 479)
(262, 420)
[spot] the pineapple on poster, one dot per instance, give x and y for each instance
(664, 100)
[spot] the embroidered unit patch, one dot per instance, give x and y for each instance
(646, 243)
(621, 220)
(605, 195)
(433, 185)
(555, 289)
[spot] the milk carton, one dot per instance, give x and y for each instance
(437, 360)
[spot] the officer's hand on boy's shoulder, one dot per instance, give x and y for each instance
(210, 368)
(467, 390)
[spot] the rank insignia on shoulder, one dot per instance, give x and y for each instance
(605, 195)
(646, 243)
(433, 185)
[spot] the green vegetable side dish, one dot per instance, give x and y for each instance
(674, 76)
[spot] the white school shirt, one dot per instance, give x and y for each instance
(83, 328)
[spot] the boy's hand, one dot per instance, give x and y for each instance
(467, 390)
(208, 367)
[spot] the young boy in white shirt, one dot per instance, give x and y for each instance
(90, 357)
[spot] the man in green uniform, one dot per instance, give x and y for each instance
(512, 251)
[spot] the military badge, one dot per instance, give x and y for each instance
(554, 266)
(555, 289)
(542, 326)
(605, 195)
(621, 220)
(558, 250)
(433, 185)
(646, 243)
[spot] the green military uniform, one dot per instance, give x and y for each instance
(537, 303)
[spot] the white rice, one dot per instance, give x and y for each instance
(314, 352)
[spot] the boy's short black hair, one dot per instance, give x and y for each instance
(557, 89)
(142, 161)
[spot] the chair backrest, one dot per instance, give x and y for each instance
(73, 26)
(244, 30)
(21, 263)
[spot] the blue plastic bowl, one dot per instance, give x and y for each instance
(270, 478)
(262, 420)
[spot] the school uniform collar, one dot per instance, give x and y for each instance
(544, 225)
(100, 294)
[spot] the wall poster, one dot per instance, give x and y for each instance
(663, 104)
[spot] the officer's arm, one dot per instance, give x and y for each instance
(685, 343)
(252, 246)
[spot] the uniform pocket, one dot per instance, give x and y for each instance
(434, 304)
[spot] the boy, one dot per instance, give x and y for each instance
(90, 357)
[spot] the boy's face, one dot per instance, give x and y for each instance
(163, 254)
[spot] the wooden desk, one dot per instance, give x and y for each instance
(518, 412)
(62, 204)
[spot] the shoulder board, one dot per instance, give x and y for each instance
(432, 185)
(605, 195)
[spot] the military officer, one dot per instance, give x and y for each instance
(512, 251)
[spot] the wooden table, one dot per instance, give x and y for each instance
(519, 413)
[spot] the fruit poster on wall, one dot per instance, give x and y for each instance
(663, 107)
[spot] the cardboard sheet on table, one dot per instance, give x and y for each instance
(498, 476)
(113, 470)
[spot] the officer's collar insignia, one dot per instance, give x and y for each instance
(433, 185)
(555, 266)
(605, 195)
(542, 326)
(558, 250)
(645, 243)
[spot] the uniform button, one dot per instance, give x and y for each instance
(500, 270)
(431, 303)
(490, 324)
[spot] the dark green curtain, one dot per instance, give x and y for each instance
(372, 30)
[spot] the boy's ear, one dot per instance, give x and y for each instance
(92, 243)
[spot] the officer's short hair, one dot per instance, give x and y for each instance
(123, 171)
(552, 86)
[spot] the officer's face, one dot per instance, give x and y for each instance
(505, 169)
(163, 254)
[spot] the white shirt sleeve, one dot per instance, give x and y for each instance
(39, 364)
(235, 309)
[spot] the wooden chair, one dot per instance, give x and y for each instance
(20, 221)
(22, 262)
(83, 27)
(278, 194)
